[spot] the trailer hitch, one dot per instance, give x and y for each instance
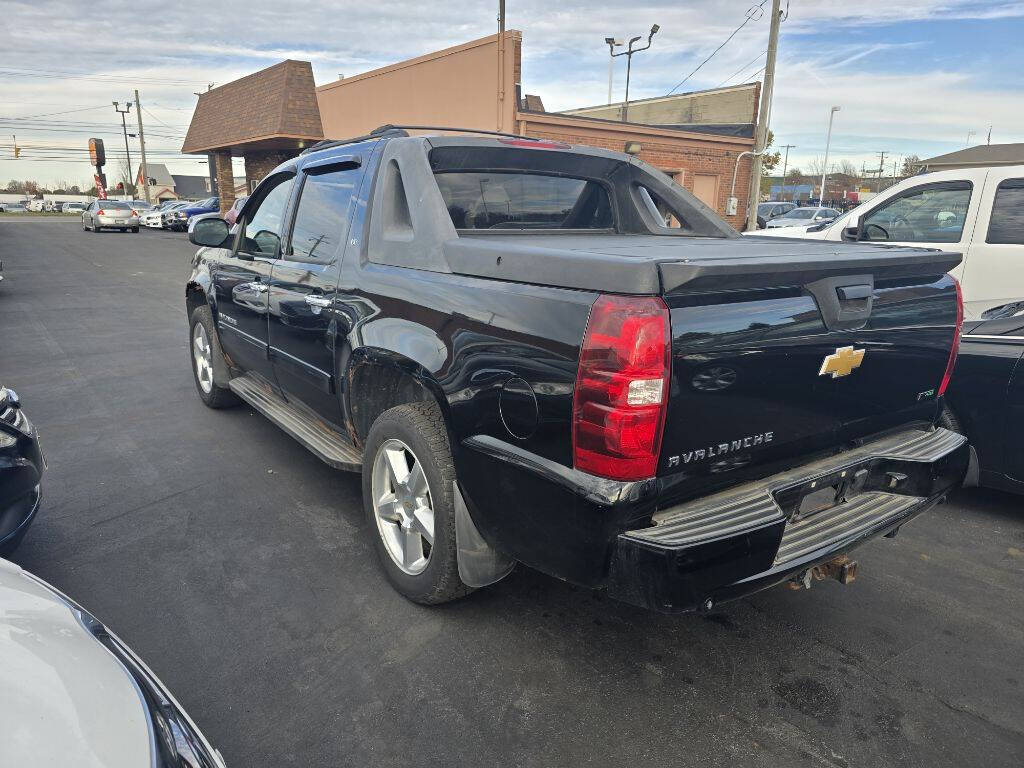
(841, 568)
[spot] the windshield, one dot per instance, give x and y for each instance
(116, 205)
(801, 213)
(486, 200)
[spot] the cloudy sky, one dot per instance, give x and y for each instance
(912, 77)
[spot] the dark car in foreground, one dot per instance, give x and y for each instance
(986, 397)
(555, 355)
(21, 469)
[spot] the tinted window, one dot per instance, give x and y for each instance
(661, 210)
(801, 213)
(1007, 222)
(934, 214)
(262, 233)
(322, 216)
(524, 201)
(115, 204)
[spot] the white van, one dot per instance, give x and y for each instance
(978, 212)
(34, 205)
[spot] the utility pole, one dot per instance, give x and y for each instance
(142, 146)
(761, 139)
(124, 127)
(785, 165)
(989, 139)
(881, 168)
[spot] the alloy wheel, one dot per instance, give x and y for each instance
(402, 506)
(202, 354)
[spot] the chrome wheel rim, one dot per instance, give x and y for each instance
(204, 360)
(402, 506)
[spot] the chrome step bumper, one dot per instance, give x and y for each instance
(747, 538)
(320, 438)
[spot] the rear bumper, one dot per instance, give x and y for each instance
(21, 468)
(617, 536)
(732, 544)
(117, 221)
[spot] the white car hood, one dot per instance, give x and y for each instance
(65, 700)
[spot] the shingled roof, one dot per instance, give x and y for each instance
(978, 155)
(275, 107)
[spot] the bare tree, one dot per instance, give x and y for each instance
(816, 166)
(846, 168)
(910, 165)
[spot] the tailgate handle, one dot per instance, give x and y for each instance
(844, 302)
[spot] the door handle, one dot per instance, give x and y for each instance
(319, 301)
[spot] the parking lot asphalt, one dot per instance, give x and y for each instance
(241, 569)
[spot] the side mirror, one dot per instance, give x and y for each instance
(851, 229)
(209, 232)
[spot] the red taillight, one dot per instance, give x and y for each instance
(622, 388)
(101, 212)
(956, 338)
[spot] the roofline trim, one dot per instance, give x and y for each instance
(222, 147)
(656, 99)
(584, 121)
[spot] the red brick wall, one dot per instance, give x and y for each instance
(225, 180)
(673, 155)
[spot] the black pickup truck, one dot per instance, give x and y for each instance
(554, 355)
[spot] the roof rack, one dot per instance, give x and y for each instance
(389, 127)
(403, 130)
(374, 134)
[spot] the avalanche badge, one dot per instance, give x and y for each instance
(841, 362)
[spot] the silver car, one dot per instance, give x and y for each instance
(113, 214)
(802, 217)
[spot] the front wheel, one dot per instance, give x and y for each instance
(408, 499)
(204, 346)
(135, 229)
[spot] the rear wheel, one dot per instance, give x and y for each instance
(408, 499)
(135, 229)
(204, 348)
(949, 420)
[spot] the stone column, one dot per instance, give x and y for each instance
(225, 180)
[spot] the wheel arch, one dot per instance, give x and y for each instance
(377, 380)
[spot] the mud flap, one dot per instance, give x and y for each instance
(479, 563)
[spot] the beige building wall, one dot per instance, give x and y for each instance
(472, 85)
(735, 104)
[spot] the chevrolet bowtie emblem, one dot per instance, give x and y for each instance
(841, 362)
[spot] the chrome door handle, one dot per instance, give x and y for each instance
(318, 301)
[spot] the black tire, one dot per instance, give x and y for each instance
(421, 427)
(95, 229)
(217, 397)
(135, 229)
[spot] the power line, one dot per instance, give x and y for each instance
(55, 73)
(752, 61)
(751, 13)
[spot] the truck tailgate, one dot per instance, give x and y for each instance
(785, 356)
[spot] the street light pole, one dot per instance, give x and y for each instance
(124, 127)
(612, 44)
(785, 164)
(828, 143)
(628, 53)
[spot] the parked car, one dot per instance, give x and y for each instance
(141, 206)
(978, 212)
(12, 208)
(112, 214)
(176, 218)
(34, 205)
(772, 210)
(802, 216)
(209, 205)
(72, 208)
(21, 469)
(153, 218)
(76, 694)
(231, 215)
(527, 361)
(985, 401)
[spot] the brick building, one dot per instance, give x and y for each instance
(271, 115)
(265, 118)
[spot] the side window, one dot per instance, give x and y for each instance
(321, 221)
(262, 233)
(931, 214)
(1007, 222)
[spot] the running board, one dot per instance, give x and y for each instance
(326, 442)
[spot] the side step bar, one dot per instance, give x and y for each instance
(327, 443)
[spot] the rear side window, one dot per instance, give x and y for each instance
(485, 200)
(321, 219)
(1007, 222)
(928, 214)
